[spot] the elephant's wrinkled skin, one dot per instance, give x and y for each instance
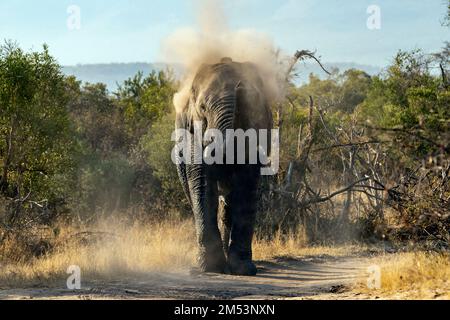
(227, 95)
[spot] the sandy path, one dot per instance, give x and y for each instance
(284, 278)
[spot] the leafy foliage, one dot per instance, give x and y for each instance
(35, 143)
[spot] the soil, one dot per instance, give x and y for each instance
(317, 277)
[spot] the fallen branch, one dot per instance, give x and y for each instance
(343, 145)
(355, 186)
(334, 194)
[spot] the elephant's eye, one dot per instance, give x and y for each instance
(203, 107)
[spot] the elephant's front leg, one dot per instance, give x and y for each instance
(225, 218)
(244, 198)
(204, 204)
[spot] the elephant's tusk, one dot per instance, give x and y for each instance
(263, 156)
(208, 153)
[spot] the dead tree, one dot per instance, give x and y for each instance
(293, 194)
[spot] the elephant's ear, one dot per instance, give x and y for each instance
(239, 92)
(184, 119)
(182, 122)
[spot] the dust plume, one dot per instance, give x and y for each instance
(212, 40)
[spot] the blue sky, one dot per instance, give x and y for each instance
(132, 30)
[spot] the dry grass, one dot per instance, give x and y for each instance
(296, 245)
(413, 275)
(124, 250)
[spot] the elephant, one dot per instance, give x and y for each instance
(226, 95)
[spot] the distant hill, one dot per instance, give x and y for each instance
(304, 70)
(116, 73)
(113, 73)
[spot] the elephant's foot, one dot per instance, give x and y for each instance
(213, 268)
(212, 262)
(240, 267)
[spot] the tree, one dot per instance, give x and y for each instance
(446, 21)
(158, 146)
(411, 104)
(97, 118)
(35, 131)
(144, 100)
(104, 174)
(340, 92)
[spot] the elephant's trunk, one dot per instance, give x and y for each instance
(223, 115)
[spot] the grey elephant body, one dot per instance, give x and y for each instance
(227, 95)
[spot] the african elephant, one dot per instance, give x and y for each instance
(227, 95)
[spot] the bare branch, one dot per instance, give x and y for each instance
(334, 194)
(299, 55)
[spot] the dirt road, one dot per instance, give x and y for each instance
(283, 278)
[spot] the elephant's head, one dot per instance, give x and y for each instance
(228, 95)
(213, 96)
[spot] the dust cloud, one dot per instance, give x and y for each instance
(211, 40)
